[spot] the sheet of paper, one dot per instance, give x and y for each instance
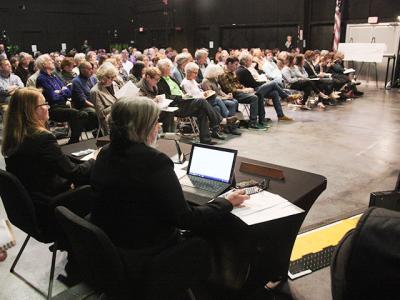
(163, 103)
(284, 209)
(180, 169)
(170, 109)
(347, 71)
(129, 89)
(87, 157)
(257, 202)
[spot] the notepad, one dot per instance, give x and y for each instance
(7, 238)
(263, 207)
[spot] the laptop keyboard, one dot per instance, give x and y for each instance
(206, 184)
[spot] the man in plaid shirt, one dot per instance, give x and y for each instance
(230, 84)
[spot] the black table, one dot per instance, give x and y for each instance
(248, 256)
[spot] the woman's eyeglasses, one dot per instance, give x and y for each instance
(43, 104)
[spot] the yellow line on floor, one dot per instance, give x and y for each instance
(315, 240)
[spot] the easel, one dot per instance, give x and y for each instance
(368, 68)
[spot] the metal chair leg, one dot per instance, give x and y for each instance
(52, 269)
(53, 263)
(19, 254)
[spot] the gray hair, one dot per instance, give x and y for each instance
(191, 67)
(244, 57)
(182, 58)
(132, 119)
(162, 63)
(200, 53)
(107, 69)
(79, 57)
(22, 56)
(41, 60)
(213, 71)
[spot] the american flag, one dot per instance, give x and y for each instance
(336, 28)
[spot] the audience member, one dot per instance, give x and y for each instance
(230, 84)
(80, 90)
(201, 57)
(210, 82)
(3, 54)
(126, 63)
(262, 89)
(295, 80)
(103, 93)
(137, 72)
(9, 82)
(22, 70)
(181, 60)
(67, 71)
(57, 94)
(199, 108)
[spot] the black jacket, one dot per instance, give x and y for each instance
(43, 169)
(163, 88)
(139, 202)
(246, 79)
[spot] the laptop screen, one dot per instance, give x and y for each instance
(212, 163)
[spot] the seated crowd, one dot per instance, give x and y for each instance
(137, 198)
(80, 88)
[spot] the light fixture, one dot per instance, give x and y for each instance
(398, 18)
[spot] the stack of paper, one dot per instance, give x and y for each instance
(180, 169)
(265, 206)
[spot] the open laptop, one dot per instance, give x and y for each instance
(210, 171)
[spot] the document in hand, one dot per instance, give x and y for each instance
(7, 239)
(129, 89)
(163, 102)
(348, 71)
(263, 207)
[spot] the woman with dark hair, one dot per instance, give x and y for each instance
(137, 72)
(297, 80)
(138, 200)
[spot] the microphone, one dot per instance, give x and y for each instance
(171, 136)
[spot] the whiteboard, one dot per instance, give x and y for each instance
(385, 33)
(363, 52)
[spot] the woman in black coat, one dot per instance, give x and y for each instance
(33, 155)
(139, 202)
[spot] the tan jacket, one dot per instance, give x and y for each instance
(103, 100)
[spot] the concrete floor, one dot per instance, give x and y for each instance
(355, 145)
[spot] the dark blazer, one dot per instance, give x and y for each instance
(246, 79)
(43, 169)
(139, 202)
(310, 69)
(163, 88)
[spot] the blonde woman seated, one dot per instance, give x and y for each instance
(103, 93)
(210, 82)
(33, 155)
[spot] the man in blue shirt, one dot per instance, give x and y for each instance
(80, 89)
(57, 95)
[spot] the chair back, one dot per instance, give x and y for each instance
(98, 258)
(18, 204)
(366, 263)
